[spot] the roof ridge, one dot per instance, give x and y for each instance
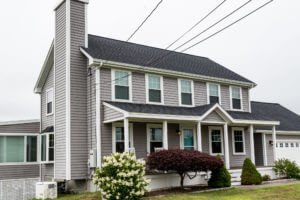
(265, 102)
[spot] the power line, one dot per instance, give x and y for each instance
(201, 20)
(136, 30)
(228, 26)
(205, 30)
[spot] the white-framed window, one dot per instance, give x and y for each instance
(236, 98)
(188, 138)
(213, 93)
(154, 137)
(186, 92)
(154, 89)
(47, 147)
(216, 141)
(121, 85)
(18, 149)
(49, 101)
(238, 141)
(118, 137)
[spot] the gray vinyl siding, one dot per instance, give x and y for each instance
(105, 88)
(170, 91)
(110, 114)
(214, 117)
(60, 92)
(19, 171)
(46, 120)
(21, 128)
(245, 95)
(140, 139)
(269, 148)
(173, 137)
(138, 87)
(47, 172)
(200, 93)
(106, 139)
(79, 148)
(225, 97)
(259, 155)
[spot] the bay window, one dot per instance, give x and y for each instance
(154, 88)
(186, 92)
(238, 141)
(121, 81)
(216, 141)
(214, 93)
(236, 98)
(47, 147)
(18, 149)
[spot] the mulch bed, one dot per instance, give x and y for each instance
(177, 190)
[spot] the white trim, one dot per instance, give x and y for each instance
(279, 132)
(208, 93)
(47, 91)
(274, 142)
(47, 148)
(161, 89)
(264, 141)
(113, 95)
(148, 134)
(249, 100)
(187, 127)
(199, 137)
(113, 120)
(252, 150)
(62, 1)
(179, 92)
(233, 141)
(98, 118)
(131, 139)
(171, 73)
(19, 122)
(19, 134)
(68, 90)
(241, 98)
(226, 146)
(86, 42)
(210, 128)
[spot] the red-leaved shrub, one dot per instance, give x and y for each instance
(182, 162)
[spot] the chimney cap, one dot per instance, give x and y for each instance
(62, 1)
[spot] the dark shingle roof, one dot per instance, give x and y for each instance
(131, 53)
(289, 121)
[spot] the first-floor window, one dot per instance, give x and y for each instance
(156, 138)
(47, 147)
(119, 137)
(188, 139)
(238, 141)
(15, 149)
(216, 141)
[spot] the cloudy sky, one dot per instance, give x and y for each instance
(263, 47)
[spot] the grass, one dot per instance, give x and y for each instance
(287, 192)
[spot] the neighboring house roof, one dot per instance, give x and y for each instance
(5, 123)
(289, 121)
(146, 56)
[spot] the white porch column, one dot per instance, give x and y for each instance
(226, 147)
(264, 141)
(274, 142)
(165, 135)
(126, 135)
(199, 136)
(252, 152)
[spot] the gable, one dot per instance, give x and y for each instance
(214, 117)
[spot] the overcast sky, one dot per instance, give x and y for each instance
(263, 47)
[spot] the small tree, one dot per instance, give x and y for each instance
(182, 162)
(287, 168)
(121, 177)
(250, 176)
(220, 177)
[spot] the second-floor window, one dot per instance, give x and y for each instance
(121, 82)
(236, 97)
(154, 83)
(49, 99)
(213, 93)
(186, 92)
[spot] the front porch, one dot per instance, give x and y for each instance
(213, 132)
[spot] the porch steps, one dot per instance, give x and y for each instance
(235, 177)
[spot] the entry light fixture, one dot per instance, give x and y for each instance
(178, 131)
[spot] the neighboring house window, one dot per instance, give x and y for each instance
(188, 139)
(118, 137)
(186, 92)
(216, 141)
(49, 98)
(154, 88)
(238, 139)
(18, 149)
(213, 93)
(47, 147)
(121, 85)
(155, 137)
(236, 98)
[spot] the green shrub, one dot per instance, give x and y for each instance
(266, 177)
(121, 177)
(250, 176)
(220, 177)
(287, 168)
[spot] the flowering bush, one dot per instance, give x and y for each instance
(121, 177)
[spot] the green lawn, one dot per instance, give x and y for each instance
(271, 193)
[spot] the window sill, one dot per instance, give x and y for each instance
(217, 154)
(123, 100)
(155, 103)
(240, 110)
(50, 114)
(19, 163)
(47, 162)
(239, 154)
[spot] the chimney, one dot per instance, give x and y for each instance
(70, 83)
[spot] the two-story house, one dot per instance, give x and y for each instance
(100, 95)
